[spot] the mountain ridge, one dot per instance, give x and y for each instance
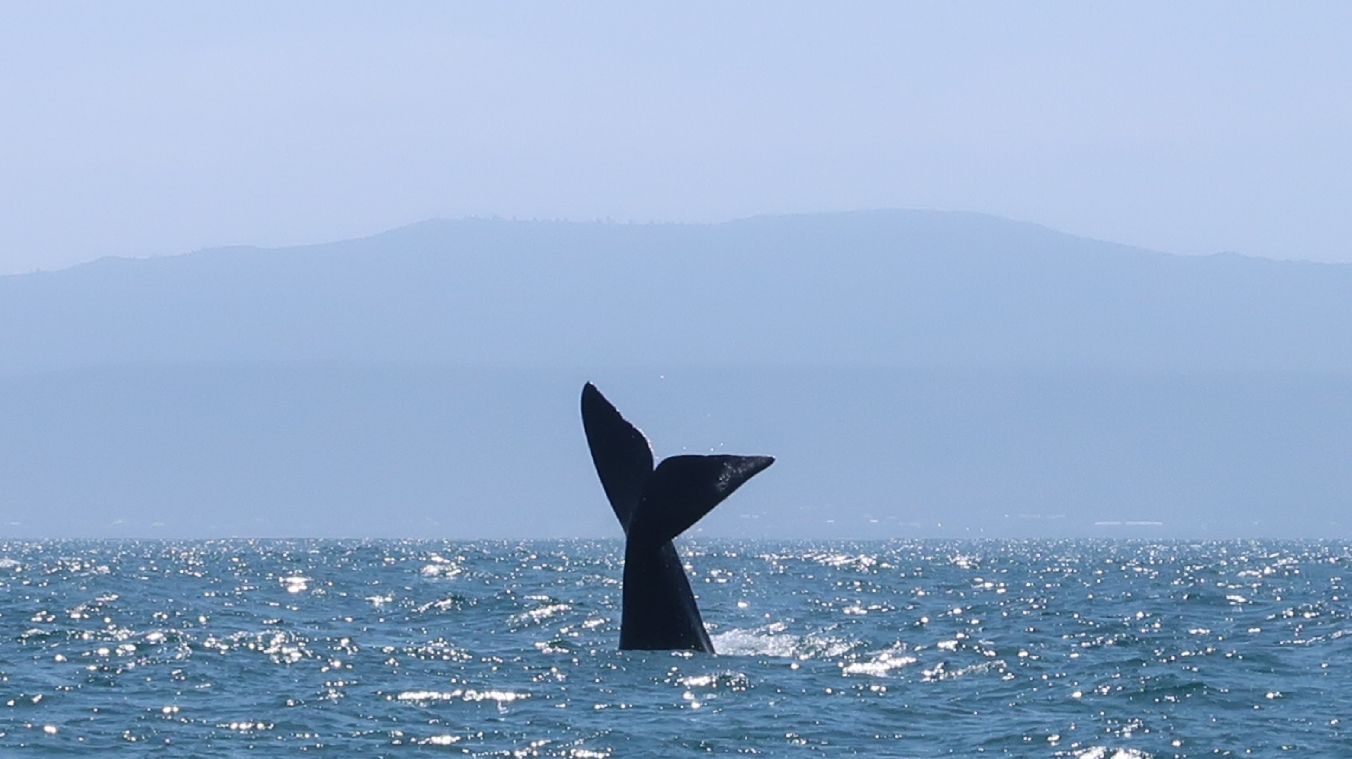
(879, 288)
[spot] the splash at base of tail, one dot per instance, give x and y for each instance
(654, 505)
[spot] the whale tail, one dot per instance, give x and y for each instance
(654, 505)
(684, 488)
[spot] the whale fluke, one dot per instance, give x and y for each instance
(684, 488)
(623, 459)
(653, 507)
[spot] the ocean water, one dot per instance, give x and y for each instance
(1088, 649)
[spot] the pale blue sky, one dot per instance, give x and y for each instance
(157, 128)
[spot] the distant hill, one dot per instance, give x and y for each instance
(915, 374)
(885, 288)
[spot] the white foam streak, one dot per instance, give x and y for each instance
(771, 640)
(1102, 752)
(499, 696)
(882, 664)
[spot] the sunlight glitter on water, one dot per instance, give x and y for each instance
(1088, 649)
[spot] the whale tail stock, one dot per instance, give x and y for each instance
(654, 505)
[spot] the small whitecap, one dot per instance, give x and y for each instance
(755, 643)
(245, 726)
(860, 562)
(736, 681)
(772, 640)
(500, 696)
(941, 672)
(1102, 752)
(295, 583)
(440, 567)
(881, 664)
(427, 695)
(539, 614)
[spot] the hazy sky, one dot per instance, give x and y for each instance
(154, 128)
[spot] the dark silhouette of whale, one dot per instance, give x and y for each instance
(654, 506)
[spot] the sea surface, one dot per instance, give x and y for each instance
(1088, 649)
